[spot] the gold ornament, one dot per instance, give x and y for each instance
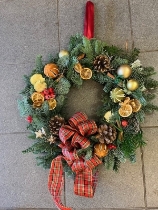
(35, 78)
(78, 68)
(125, 110)
(86, 73)
(101, 150)
(51, 70)
(40, 86)
(136, 105)
(132, 84)
(117, 95)
(63, 53)
(108, 115)
(124, 70)
(52, 103)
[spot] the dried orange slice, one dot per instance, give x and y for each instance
(52, 103)
(108, 115)
(100, 150)
(86, 73)
(78, 67)
(81, 56)
(125, 110)
(37, 97)
(37, 104)
(136, 105)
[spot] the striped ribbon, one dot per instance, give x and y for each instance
(73, 138)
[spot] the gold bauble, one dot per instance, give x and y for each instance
(132, 84)
(124, 70)
(63, 53)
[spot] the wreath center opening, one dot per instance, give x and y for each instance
(86, 99)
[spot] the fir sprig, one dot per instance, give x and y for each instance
(88, 50)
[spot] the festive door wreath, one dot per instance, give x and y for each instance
(78, 145)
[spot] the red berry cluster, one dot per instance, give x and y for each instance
(111, 146)
(49, 93)
(124, 123)
(29, 119)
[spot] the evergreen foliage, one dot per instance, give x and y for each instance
(67, 78)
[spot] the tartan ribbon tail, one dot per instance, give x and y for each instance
(85, 183)
(56, 182)
(95, 180)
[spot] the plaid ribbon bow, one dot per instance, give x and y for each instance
(73, 138)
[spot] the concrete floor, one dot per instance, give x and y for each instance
(32, 27)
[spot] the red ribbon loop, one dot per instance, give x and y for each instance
(89, 20)
(73, 138)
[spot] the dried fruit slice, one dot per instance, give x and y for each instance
(101, 150)
(125, 110)
(51, 70)
(81, 56)
(52, 103)
(108, 115)
(37, 104)
(117, 95)
(37, 97)
(78, 67)
(86, 73)
(136, 105)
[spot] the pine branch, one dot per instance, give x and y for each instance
(74, 41)
(150, 108)
(63, 86)
(150, 83)
(39, 64)
(24, 107)
(87, 49)
(117, 61)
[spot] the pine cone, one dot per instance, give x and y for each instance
(55, 123)
(102, 63)
(133, 126)
(107, 134)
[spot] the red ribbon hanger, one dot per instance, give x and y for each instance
(89, 20)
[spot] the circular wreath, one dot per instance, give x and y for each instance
(127, 94)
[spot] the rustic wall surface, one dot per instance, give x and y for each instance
(32, 27)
